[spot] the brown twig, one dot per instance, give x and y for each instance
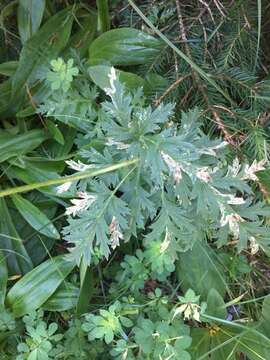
(170, 88)
(32, 101)
(184, 99)
(196, 77)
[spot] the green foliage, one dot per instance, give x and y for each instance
(62, 74)
(7, 321)
(204, 274)
(40, 340)
(107, 324)
(29, 17)
(196, 194)
(162, 339)
(124, 46)
(35, 218)
(31, 292)
(134, 272)
(137, 136)
(44, 49)
(103, 15)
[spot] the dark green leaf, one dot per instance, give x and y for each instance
(43, 46)
(60, 151)
(64, 298)
(125, 46)
(265, 317)
(34, 172)
(99, 75)
(255, 345)
(264, 177)
(17, 145)
(103, 15)
(84, 36)
(7, 108)
(17, 258)
(198, 269)
(155, 84)
(8, 68)
(86, 288)
(3, 278)
(36, 287)
(200, 342)
(35, 217)
(55, 132)
(26, 112)
(215, 305)
(30, 13)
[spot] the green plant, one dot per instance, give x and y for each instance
(190, 307)
(40, 340)
(134, 217)
(180, 180)
(107, 324)
(62, 74)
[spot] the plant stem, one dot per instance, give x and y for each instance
(70, 178)
(103, 15)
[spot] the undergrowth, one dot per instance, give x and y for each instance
(134, 182)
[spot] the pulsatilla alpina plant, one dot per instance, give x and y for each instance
(177, 189)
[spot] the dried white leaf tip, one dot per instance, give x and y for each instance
(115, 233)
(112, 77)
(254, 246)
(119, 145)
(232, 220)
(235, 200)
(83, 203)
(64, 187)
(189, 310)
(234, 169)
(173, 166)
(249, 172)
(203, 174)
(78, 166)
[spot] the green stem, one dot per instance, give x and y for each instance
(259, 31)
(103, 15)
(70, 178)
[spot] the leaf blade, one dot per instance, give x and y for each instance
(17, 145)
(44, 45)
(35, 288)
(17, 258)
(30, 14)
(35, 217)
(124, 46)
(64, 298)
